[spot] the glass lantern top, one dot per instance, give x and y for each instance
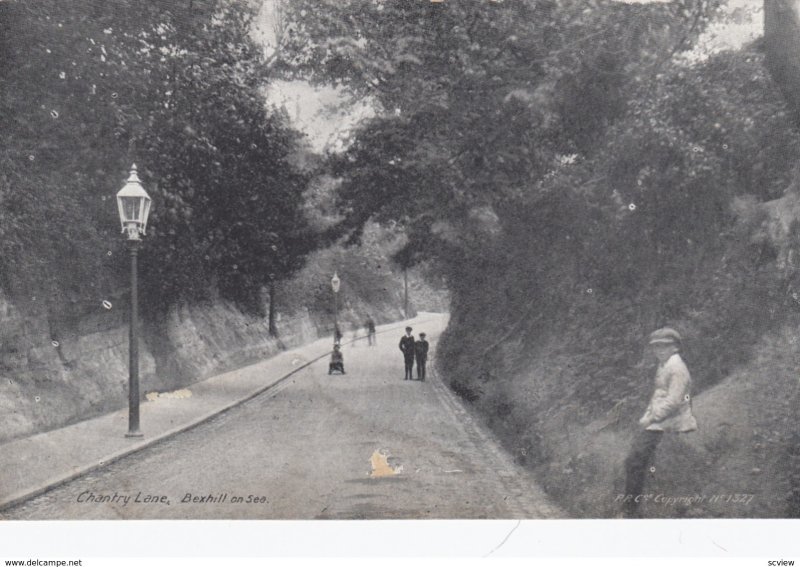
(134, 206)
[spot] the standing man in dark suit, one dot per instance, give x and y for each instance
(407, 348)
(421, 352)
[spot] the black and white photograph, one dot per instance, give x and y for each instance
(399, 260)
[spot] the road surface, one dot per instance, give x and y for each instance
(366, 445)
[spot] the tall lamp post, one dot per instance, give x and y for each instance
(134, 208)
(335, 283)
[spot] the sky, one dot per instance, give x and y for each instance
(327, 115)
(740, 22)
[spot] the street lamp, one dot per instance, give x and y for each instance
(273, 330)
(335, 282)
(405, 292)
(134, 207)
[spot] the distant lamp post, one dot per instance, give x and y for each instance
(335, 283)
(405, 292)
(273, 329)
(134, 208)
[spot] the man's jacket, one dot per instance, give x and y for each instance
(407, 346)
(421, 349)
(670, 408)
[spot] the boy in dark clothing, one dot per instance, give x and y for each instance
(421, 353)
(337, 361)
(407, 348)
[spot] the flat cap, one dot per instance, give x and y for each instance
(665, 336)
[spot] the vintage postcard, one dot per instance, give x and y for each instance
(399, 260)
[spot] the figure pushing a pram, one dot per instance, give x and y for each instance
(337, 361)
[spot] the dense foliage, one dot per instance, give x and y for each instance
(570, 172)
(478, 102)
(581, 175)
(90, 87)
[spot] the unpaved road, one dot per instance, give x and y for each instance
(367, 445)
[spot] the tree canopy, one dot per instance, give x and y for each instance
(90, 87)
(554, 157)
(481, 100)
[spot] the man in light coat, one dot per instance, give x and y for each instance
(669, 410)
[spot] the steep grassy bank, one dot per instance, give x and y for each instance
(564, 385)
(547, 340)
(559, 410)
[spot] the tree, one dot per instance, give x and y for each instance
(90, 88)
(479, 105)
(782, 39)
(546, 151)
